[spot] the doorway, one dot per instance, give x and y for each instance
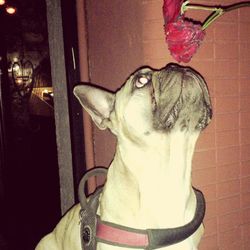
(29, 179)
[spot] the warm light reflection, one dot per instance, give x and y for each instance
(10, 10)
(19, 80)
(16, 67)
(2, 2)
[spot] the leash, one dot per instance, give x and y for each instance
(88, 210)
(94, 230)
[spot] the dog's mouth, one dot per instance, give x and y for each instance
(179, 98)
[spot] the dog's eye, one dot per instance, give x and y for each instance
(141, 81)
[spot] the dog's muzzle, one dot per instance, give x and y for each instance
(181, 98)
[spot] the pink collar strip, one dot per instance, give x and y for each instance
(106, 233)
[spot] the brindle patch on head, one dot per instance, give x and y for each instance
(182, 99)
(167, 90)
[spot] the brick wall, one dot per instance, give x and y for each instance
(221, 165)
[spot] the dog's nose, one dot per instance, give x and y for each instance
(174, 67)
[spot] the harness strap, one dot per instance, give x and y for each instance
(94, 230)
(88, 210)
(92, 172)
(114, 234)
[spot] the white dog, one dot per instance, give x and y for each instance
(148, 201)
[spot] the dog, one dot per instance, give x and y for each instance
(157, 116)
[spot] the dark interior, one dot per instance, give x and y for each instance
(29, 176)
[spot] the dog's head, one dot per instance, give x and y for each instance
(151, 101)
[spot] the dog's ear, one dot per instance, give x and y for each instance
(97, 102)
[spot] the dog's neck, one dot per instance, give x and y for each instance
(150, 187)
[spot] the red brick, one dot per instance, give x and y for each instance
(245, 168)
(204, 67)
(210, 86)
(245, 152)
(227, 50)
(226, 87)
(245, 200)
(152, 10)
(245, 103)
(156, 49)
(211, 209)
(246, 233)
(209, 243)
(204, 159)
(229, 238)
(235, 245)
(227, 104)
(245, 245)
(227, 189)
(210, 226)
(204, 177)
(209, 192)
(228, 155)
(244, 15)
(245, 185)
(229, 221)
(206, 51)
(226, 69)
(226, 31)
(244, 32)
(206, 141)
(153, 30)
(227, 121)
(227, 138)
(213, 100)
(244, 68)
(245, 216)
(244, 136)
(244, 50)
(228, 172)
(211, 127)
(245, 120)
(244, 87)
(158, 63)
(228, 205)
(209, 34)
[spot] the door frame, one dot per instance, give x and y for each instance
(62, 36)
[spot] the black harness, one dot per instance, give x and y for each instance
(156, 238)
